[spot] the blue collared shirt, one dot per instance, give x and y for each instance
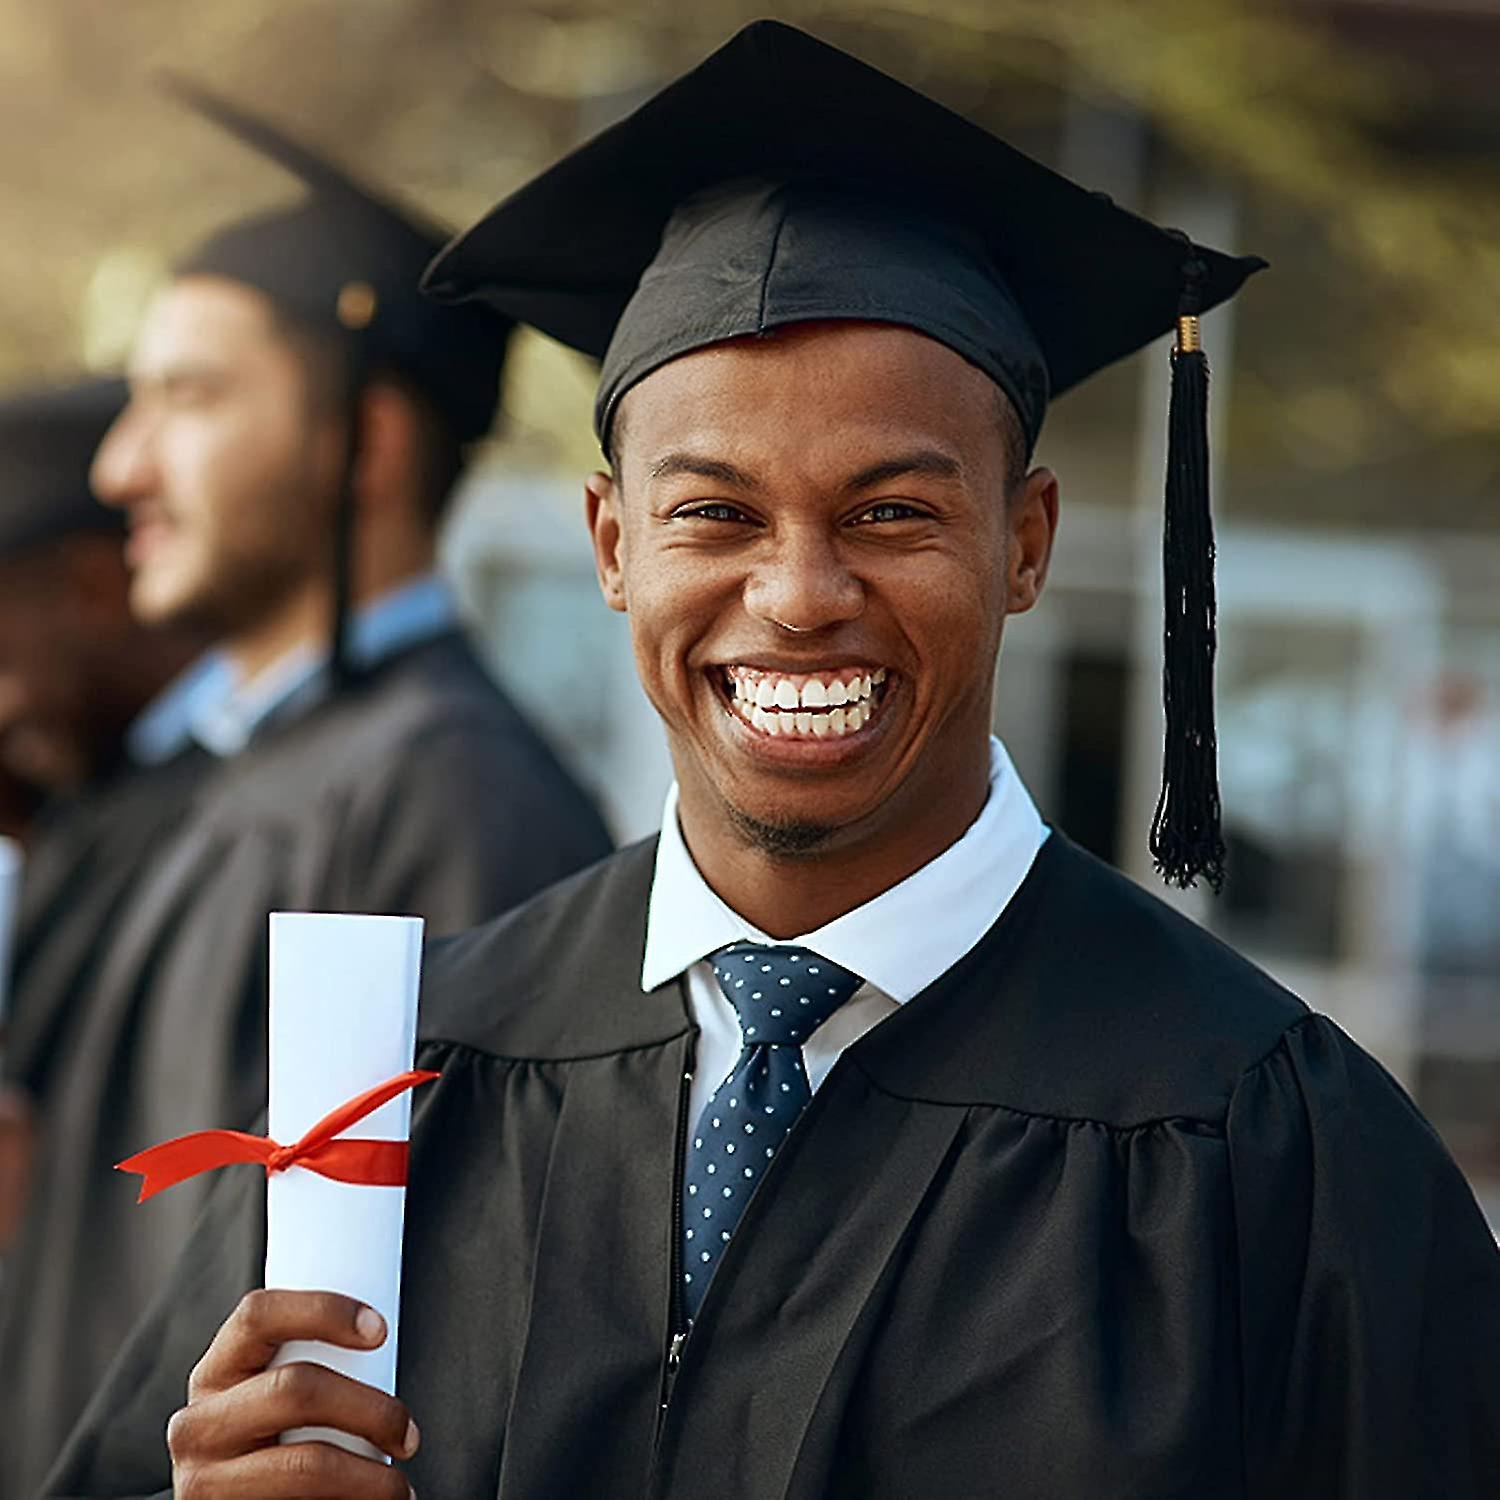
(164, 728)
(211, 704)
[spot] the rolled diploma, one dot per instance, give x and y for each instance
(10, 904)
(343, 1019)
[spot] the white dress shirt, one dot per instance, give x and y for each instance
(899, 942)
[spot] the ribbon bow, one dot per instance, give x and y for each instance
(371, 1163)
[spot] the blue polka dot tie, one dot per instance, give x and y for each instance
(782, 996)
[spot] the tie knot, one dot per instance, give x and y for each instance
(781, 995)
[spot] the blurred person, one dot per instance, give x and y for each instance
(298, 420)
(82, 683)
(75, 666)
(859, 1138)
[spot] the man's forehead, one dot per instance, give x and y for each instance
(867, 377)
(201, 321)
(820, 345)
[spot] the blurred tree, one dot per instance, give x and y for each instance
(455, 101)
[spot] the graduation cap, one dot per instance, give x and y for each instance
(783, 181)
(48, 438)
(349, 260)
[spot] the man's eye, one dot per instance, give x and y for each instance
(887, 510)
(712, 511)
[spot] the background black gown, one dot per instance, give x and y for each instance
(421, 790)
(1103, 1212)
(83, 860)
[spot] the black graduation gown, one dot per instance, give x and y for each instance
(1103, 1212)
(83, 860)
(421, 790)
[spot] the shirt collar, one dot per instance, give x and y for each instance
(900, 941)
(225, 721)
(164, 728)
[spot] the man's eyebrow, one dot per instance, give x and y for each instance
(926, 461)
(700, 467)
(923, 461)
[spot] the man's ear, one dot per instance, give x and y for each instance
(385, 462)
(602, 508)
(1031, 520)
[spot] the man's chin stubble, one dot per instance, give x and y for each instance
(784, 840)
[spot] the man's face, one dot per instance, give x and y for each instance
(223, 460)
(811, 535)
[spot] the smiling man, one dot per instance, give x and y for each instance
(856, 1138)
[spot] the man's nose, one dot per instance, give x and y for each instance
(803, 583)
(124, 468)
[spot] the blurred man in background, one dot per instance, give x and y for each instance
(93, 774)
(298, 420)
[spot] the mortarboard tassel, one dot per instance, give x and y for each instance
(1186, 838)
(356, 310)
(341, 668)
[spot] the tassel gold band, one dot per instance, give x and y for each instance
(1189, 338)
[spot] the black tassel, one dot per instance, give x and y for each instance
(356, 309)
(1186, 838)
(341, 668)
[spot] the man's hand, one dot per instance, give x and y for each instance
(224, 1442)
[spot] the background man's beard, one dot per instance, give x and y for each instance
(787, 839)
(238, 594)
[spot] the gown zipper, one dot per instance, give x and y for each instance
(676, 1321)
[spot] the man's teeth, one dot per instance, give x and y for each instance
(820, 706)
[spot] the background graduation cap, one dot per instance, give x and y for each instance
(348, 261)
(48, 437)
(783, 181)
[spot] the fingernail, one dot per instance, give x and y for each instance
(412, 1440)
(369, 1325)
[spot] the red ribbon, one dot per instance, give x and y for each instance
(372, 1163)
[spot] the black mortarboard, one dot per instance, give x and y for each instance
(350, 259)
(783, 181)
(47, 442)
